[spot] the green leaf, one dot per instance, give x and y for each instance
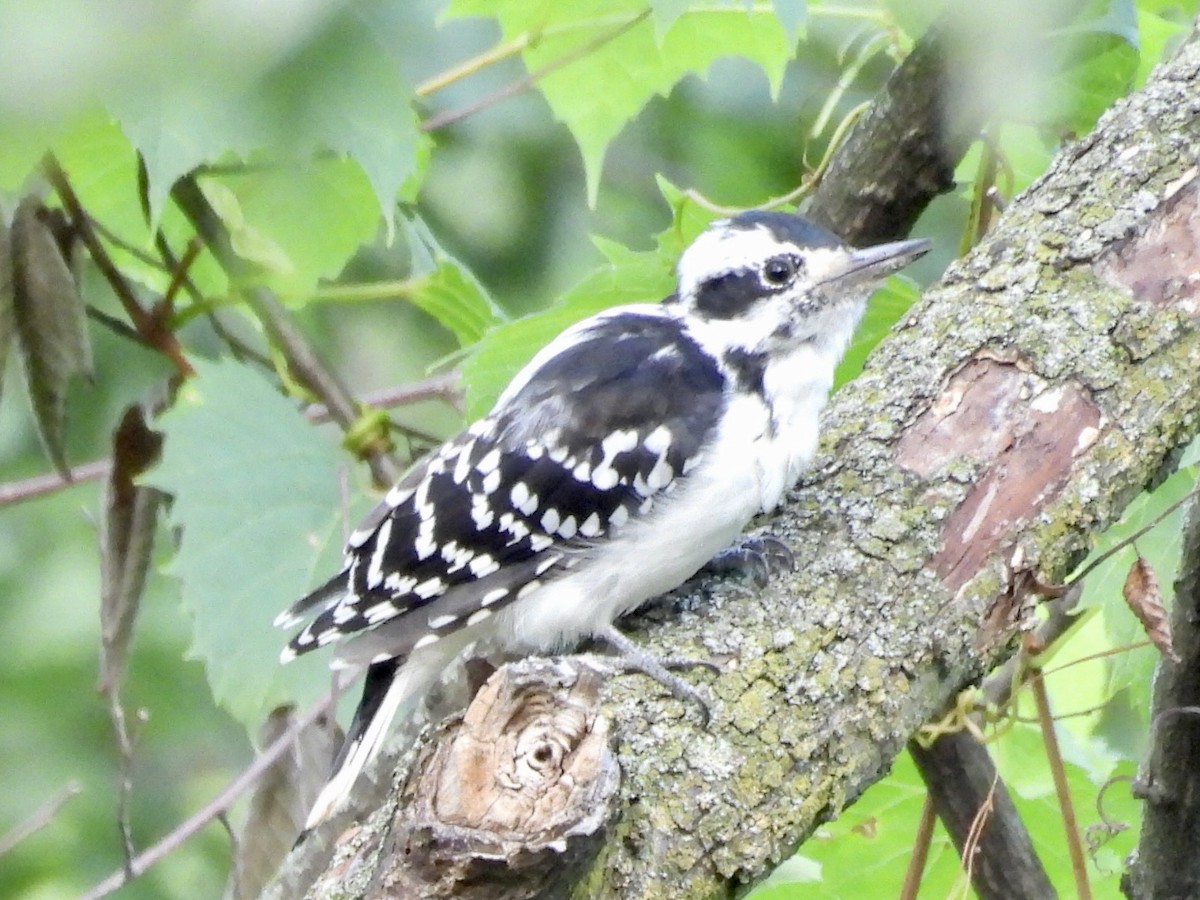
(617, 47)
(445, 288)
(257, 498)
(886, 307)
(864, 852)
(630, 276)
(1155, 34)
(50, 323)
(300, 222)
(103, 168)
(1103, 59)
(339, 92)
(793, 15)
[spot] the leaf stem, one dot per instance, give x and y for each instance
(302, 358)
(39, 818)
(469, 67)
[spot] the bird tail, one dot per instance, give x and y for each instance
(390, 686)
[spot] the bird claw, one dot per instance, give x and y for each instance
(758, 555)
(633, 658)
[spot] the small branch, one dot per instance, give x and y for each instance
(38, 819)
(158, 337)
(165, 308)
(966, 791)
(443, 387)
(450, 117)
(220, 804)
(920, 854)
(1141, 532)
(39, 485)
(126, 745)
(301, 358)
(1054, 757)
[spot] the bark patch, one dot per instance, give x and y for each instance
(1161, 263)
(1019, 435)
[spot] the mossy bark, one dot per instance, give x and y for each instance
(1046, 381)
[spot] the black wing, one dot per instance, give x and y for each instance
(586, 438)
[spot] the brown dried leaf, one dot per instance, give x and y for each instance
(126, 539)
(1144, 596)
(8, 322)
(50, 322)
(281, 801)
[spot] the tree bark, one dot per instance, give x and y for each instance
(1166, 866)
(1013, 413)
(979, 815)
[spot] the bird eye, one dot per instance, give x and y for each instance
(779, 270)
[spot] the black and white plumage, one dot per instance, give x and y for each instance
(632, 449)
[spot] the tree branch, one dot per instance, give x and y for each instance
(443, 386)
(1166, 863)
(301, 358)
(1010, 417)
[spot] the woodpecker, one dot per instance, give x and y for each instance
(629, 452)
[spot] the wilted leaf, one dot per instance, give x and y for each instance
(126, 539)
(8, 321)
(1142, 593)
(50, 323)
(281, 800)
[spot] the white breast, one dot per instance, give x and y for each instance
(703, 514)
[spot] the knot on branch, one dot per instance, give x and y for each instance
(525, 779)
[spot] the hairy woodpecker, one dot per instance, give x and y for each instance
(631, 450)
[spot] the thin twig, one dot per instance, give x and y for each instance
(165, 307)
(116, 326)
(39, 818)
(975, 833)
(126, 745)
(920, 852)
(223, 801)
(40, 485)
(160, 338)
(442, 387)
(1147, 528)
(1037, 686)
(450, 117)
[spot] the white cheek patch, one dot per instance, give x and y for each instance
(822, 263)
(722, 249)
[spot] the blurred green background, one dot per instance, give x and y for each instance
(505, 191)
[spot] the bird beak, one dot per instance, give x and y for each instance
(874, 263)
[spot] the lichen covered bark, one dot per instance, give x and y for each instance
(1011, 416)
